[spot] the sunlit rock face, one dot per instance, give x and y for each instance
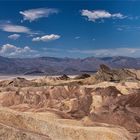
(78, 102)
(107, 110)
(110, 106)
(72, 100)
(107, 74)
(11, 133)
(19, 125)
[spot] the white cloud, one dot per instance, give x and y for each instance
(9, 50)
(14, 36)
(132, 52)
(100, 14)
(14, 28)
(34, 14)
(47, 38)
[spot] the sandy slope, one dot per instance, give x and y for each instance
(61, 108)
(57, 129)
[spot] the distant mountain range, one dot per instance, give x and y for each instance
(53, 66)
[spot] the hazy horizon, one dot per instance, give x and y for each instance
(65, 57)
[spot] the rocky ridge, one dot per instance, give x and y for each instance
(109, 109)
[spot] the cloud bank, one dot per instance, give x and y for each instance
(9, 50)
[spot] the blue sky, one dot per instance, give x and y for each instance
(70, 28)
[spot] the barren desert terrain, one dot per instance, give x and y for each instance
(103, 106)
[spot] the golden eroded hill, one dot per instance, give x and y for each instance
(105, 106)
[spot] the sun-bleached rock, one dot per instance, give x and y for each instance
(12, 133)
(102, 103)
(57, 129)
(115, 108)
(73, 100)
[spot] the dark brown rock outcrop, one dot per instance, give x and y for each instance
(64, 77)
(82, 76)
(107, 74)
